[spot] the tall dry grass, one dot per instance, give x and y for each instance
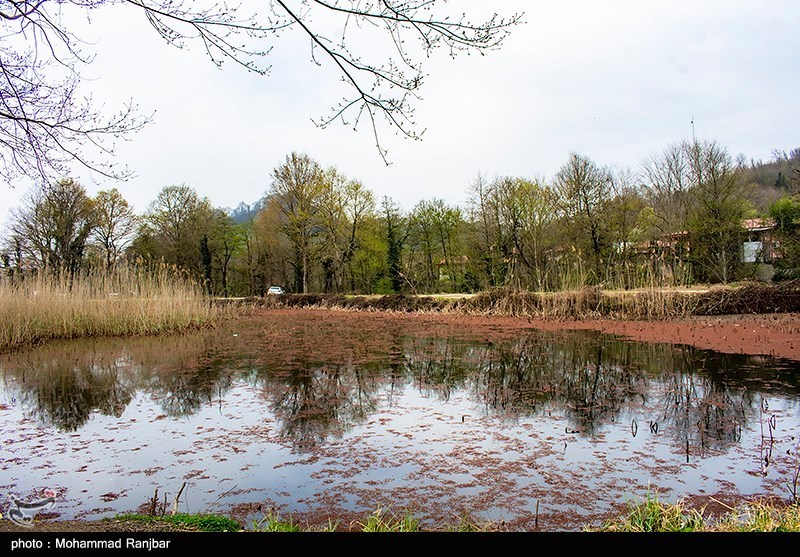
(130, 300)
(585, 303)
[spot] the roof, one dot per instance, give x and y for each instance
(755, 225)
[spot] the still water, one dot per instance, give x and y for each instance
(321, 417)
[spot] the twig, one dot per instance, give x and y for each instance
(153, 503)
(175, 502)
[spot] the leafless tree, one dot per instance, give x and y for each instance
(583, 190)
(45, 124)
(667, 183)
(376, 46)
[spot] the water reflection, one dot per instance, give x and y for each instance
(703, 399)
(302, 410)
(64, 384)
(318, 402)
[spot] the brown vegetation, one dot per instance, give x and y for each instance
(590, 302)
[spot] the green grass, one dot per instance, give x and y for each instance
(273, 523)
(761, 517)
(647, 515)
(201, 522)
(651, 515)
(386, 521)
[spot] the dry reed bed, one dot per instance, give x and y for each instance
(128, 301)
(137, 301)
(586, 303)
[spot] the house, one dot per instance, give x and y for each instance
(760, 245)
(760, 248)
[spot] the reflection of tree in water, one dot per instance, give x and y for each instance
(437, 366)
(711, 397)
(315, 401)
(703, 415)
(598, 379)
(64, 387)
(701, 398)
(531, 374)
(183, 390)
(64, 383)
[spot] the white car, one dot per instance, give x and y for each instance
(276, 290)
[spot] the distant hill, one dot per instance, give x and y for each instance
(774, 179)
(245, 212)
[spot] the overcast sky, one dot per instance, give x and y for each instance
(617, 81)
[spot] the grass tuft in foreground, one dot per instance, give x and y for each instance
(386, 521)
(272, 522)
(651, 515)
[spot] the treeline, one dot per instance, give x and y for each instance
(675, 220)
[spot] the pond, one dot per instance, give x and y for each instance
(332, 415)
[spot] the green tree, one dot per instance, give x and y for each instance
(719, 205)
(268, 252)
(526, 210)
(447, 223)
(226, 239)
(359, 206)
(53, 225)
(344, 205)
(786, 213)
(510, 231)
(368, 266)
(583, 190)
(115, 224)
(296, 191)
(393, 223)
(422, 239)
(334, 235)
(173, 228)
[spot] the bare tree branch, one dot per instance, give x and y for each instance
(46, 127)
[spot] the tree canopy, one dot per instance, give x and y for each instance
(687, 216)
